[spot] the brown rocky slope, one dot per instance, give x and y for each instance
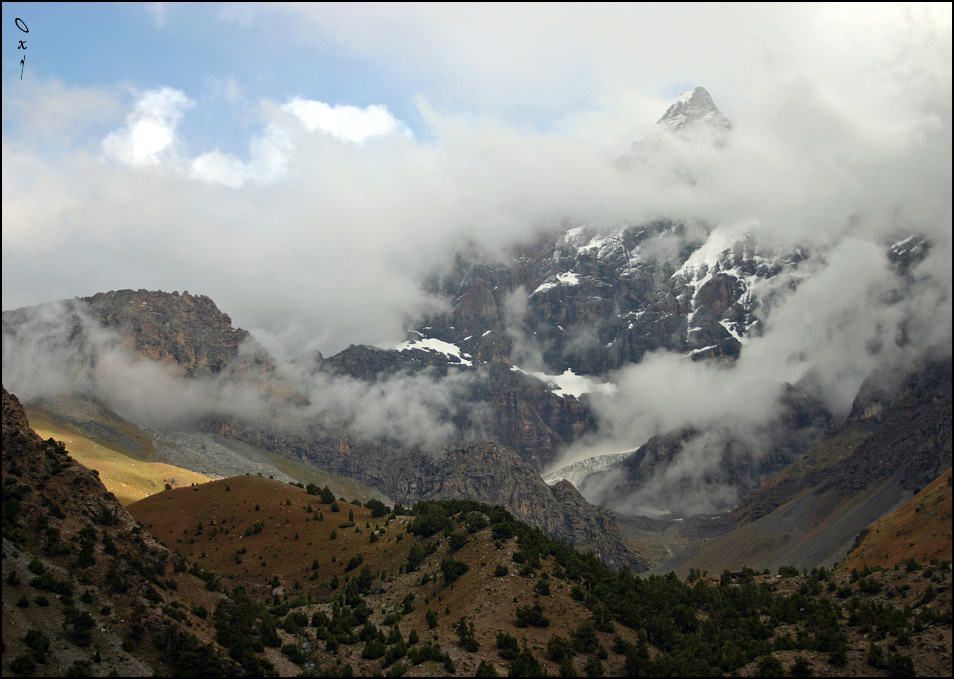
(86, 589)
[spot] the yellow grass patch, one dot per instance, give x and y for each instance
(920, 529)
(126, 478)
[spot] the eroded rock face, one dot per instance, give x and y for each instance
(495, 475)
(185, 330)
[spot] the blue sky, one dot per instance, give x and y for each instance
(199, 50)
(306, 165)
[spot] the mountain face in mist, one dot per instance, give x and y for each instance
(595, 299)
(185, 331)
(693, 108)
(518, 410)
(532, 355)
(818, 510)
(197, 344)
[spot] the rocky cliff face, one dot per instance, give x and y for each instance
(187, 331)
(495, 475)
(593, 299)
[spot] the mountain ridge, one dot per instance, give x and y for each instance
(404, 473)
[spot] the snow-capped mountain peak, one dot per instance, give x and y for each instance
(692, 108)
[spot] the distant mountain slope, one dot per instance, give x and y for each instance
(811, 513)
(89, 417)
(81, 418)
(904, 434)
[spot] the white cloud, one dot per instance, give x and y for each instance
(220, 168)
(269, 155)
(150, 128)
(560, 57)
(348, 123)
(149, 136)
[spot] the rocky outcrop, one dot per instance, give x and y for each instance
(187, 331)
(493, 474)
(371, 363)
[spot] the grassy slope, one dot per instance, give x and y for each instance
(919, 529)
(101, 425)
(487, 601)
(118, 449)
(128, 478)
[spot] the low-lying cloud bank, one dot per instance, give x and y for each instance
(59, 348)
